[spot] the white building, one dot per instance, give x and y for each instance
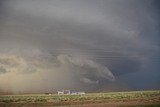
(68, 92)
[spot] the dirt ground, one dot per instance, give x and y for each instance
(112, 104)
(133, 103)
(121, 104)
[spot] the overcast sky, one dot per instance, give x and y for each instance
(114, 44)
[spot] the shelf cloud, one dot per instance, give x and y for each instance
(31, 74)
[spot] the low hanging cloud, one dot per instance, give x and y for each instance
(38, 74)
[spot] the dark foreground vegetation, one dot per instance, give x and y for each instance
(111, 99)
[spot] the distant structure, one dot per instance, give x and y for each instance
(68, 92)
(78, 93)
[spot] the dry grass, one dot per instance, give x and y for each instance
(88, 100)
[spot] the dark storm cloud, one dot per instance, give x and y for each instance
(122, 35)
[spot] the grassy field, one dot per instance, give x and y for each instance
(133, 98)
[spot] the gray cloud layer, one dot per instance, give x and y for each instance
(119, 35)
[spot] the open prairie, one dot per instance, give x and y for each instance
(102, 53)
(110, 99)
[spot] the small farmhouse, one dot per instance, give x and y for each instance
(68, 92)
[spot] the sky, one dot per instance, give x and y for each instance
(86, 45)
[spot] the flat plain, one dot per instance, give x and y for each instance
(108, 99)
